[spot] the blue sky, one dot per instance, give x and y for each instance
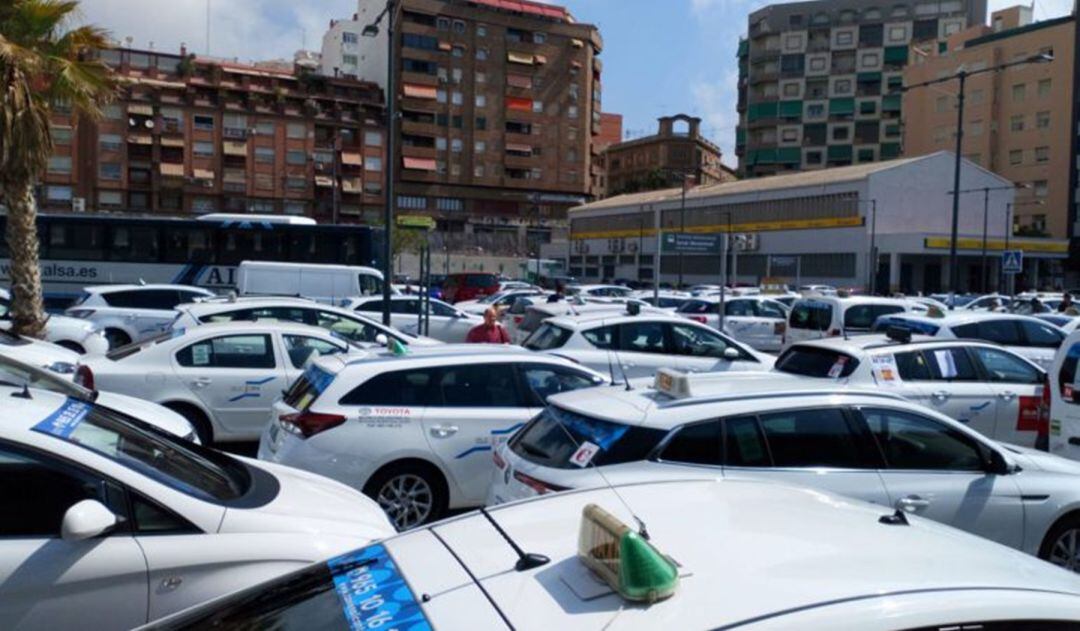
(660, 56)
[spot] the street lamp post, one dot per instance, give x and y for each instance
(961, 77)
(1009, 208)
(984, 276)
(372, 30)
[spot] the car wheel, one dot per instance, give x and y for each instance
(412, 494)
(198, 420)
(117, 338)
(1062, 544)
(72, 346)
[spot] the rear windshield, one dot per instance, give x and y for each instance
(811, 361)
(815, 316)
(698, 306)
(533, 319)
(553, 437)
(136, 347)
(308, 388)
(862, 317)
(547, 337)
(883, 324)
(191, 469)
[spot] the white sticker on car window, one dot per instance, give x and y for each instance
(838, 368)
(584, 454)
(200, 354)
(886, 371)
(946, 364)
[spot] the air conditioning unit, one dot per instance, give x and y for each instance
(78, 204)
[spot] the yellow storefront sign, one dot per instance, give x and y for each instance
(998, 245)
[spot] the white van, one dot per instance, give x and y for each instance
(830, 316)
(330, 284)
(1065, 400)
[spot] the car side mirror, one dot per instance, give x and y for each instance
(731, 354)
(87, 519)
(996, 463)
(381, 339)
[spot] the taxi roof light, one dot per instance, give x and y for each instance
(623, 559)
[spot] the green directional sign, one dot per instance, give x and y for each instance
(684, 243)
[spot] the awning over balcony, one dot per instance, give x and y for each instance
(140, 110)
(172, 170)
(419, 91)
(233, 148)
(172, 142)
(353, 159)
(518, 148)
(140, 139)
(204, 174)
(351, 185)
(235, 177)
(419, 164)
(518, 81)
(520, 58)
(322, 180)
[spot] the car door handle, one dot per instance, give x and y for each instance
(912, 503)
(1006, 396)
(940, 395)
(171, 583)
(444, 431)
(201, 382)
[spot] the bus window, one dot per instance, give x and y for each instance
(187, 245)
(313, 247)
(133, 243)
(82, 242)
(236, 246)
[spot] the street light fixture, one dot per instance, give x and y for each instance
(961, 76)
(372, 30)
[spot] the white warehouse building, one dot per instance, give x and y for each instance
(817, 227)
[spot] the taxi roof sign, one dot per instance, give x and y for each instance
(624, 559)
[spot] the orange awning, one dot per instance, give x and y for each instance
(520, 58)
(540, 59)
(353, 159)
(351, 185)
(174, 170)
(510, 146)
(204, 174)
(419, 164)
(419, 91)
(233, 148)
(172, 142)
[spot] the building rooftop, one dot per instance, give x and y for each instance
(528, 7)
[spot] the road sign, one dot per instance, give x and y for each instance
(683, 243)
(1012, 261)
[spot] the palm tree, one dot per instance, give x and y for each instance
(42, 62)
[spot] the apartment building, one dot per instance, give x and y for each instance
(189, 135)
(499, 106)
(817, 79)
(611, 130)
(678, 153)
(1016, 121)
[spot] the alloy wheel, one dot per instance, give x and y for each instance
(1066, 550)
(407, 499)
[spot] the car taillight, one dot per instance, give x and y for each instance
(699, 319)
(500, 462)
(779, 328)
(542, 488)
(834, 332)
(311, 423)
(518, 320)
(1042, 435)
(84, 377)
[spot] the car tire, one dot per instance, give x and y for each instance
(203, 429)
(116, 338)
(72, 346)
(1063, 542)
(412, 493)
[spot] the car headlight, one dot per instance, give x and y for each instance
(62, 368)
(82, 314)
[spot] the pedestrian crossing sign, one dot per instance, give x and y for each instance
(1012, 261)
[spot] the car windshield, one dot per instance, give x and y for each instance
(547, 337)
(18, 375)
(811, 361)
(186, 467)
(816, 316)
(555, 436)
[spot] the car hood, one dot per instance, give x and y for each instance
(67, 325)
(1033, 459)
(44, 354)
(311, 504)
(146, 411)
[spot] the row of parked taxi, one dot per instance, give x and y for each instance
(617, 429)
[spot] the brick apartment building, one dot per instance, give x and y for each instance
(1016, 121)
(816, 79)
(677, 153)
(189, 135)
(500, 105)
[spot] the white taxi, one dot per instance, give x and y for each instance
(758, 321)
(343, 322)
(866, 444)
(991, 389)
(829, 316)
(1027, 336)
(414, 431)
(109, 522)
(447, 323)
(626, 345)
(132, 313)
(1065, 400)
(677, 555)
(71, 333)
(221, 377)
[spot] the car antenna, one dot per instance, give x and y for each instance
(643, 530)
(622, 369)
(24, 394)
(611, 368)
(526, 560)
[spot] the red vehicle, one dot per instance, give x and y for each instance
(469, 286)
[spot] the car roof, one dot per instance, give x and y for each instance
(258, 326)
(241, 302)
(614, 317)
(955, 318)
(725, 393)
(854, 300)
(440, 355)
(106, 289)
(321, 266)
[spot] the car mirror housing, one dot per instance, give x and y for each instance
(731, 354)
(87, 519)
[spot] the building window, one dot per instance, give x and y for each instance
(109, 171)
(538, 107)
(372, 164)
(841, 133)
(791, 90)
(870, 60)
(205, 123)
(481, 100)
(109, 142)
(481, 30)
(297, 130)
(478, 170)
(479, 146)
(975, 128)
(789, 134)
(440, 144)
(793, 42)
(813, 157)
(481, 77)
(412, 202)
(1019, 91)
(458, 51)
(1016, 123)
(58, 193)
(845, 38)
(815, 110)
(264, 181)
(349, 38)
(817, 64)
(112, 199)
(264, 155)
(60, 165)
(456, 98)
(373, 139)
(539, 37)
(481, 54)
(976, 97)
(266, 128)
(443, 24)
(203, 149)
(842, 87)
(455, 169)
(572, 111)
(449, 204)
(60, 135)
(113, 112)
(1042, 154)
(296, 183)
(1042, 120)
(349, 60)
(1041, 188)
(1045, 85)
(898, 34)
(1016, 156)
(481, 123)
(456, 145)
(459, 26)
(295, 157)
(1038, 224)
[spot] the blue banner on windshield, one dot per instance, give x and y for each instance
(373, 593)
(600, 433)
(65, 419)
(318, 378)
